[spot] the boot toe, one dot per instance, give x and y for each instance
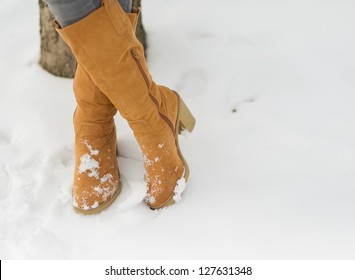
(95, 199)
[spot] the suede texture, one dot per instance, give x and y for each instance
(107, 49)
(95, 140)
(96, 175)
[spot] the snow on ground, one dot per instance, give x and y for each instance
(272, 157)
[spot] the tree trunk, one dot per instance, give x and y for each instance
(56, 57)
(140, 32)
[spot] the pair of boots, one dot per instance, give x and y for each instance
(112, 75)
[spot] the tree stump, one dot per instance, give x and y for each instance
(56, 57)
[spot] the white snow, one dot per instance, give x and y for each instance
(87, 163)
(75, 203)
(179, 189)
(106, 177)
(272, 158)
(93, 152)
(149, 198)
(95, 205)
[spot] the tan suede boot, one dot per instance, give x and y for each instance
(106, 47)
(96, 176)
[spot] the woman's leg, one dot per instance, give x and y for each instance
(67, 12)
(105, 46)
(96, 187)
(96, 176)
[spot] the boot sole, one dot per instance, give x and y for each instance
(184, 121)
(102, 207)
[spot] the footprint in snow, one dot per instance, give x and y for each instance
(201, 39)
(25, 181)
(20, 183)
(238, 42)
(4, 139)
(262, 40)
(240, 95)
(66, 156)
(193, 83)
(238, 105)
(7, 147)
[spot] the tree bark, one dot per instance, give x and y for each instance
(56, 57)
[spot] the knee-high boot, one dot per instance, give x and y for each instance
(96, 175)
(107, 49)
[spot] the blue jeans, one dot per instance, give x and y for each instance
(67, 12)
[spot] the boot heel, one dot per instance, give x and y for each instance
(186, 119)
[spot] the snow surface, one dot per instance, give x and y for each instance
(179, 189)
(272, 157)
